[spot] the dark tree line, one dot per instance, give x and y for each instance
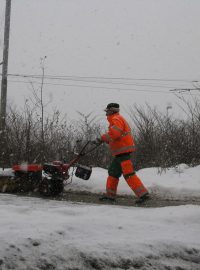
(57, 139)
(161, 140)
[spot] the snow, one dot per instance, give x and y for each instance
(180, 182)
(48, 234)
(6, 172)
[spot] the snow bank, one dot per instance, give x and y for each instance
(6, 172)
(181, 182)
(41, 234)
(44, 234)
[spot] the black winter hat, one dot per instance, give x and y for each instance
(112, 107)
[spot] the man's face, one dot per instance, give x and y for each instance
(109, 112)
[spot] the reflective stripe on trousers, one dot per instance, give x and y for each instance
(111, 186)
(136, 185)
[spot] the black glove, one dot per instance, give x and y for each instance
(97, 141)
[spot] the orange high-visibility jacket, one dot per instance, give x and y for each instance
(119, 135)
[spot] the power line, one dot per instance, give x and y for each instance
(95, 87)
(185, 89)
(102, 81)
(95, 81)
(98, 87)
(74, 77)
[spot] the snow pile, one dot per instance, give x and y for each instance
(39, 234)
(42, 234)
(6, 172)
(181, 182)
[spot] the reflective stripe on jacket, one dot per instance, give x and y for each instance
(119, 135)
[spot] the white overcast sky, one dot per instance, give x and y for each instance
(135, 39)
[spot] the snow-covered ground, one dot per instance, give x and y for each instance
(47, 234)
(179, 182)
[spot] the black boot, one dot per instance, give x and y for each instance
(107, 198)
(143, 198)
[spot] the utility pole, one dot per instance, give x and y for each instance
(4, 84)
(5, 67)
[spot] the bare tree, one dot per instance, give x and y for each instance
(38, 102)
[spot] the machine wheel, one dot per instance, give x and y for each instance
(51, 187)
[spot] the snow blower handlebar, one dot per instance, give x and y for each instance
(82, 153)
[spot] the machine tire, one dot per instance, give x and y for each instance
(51, 187)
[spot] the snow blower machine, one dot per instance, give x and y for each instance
(48, 179)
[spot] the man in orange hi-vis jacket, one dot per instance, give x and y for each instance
(121, 144)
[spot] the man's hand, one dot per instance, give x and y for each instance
(97, 141)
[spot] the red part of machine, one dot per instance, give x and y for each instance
(27, 168)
